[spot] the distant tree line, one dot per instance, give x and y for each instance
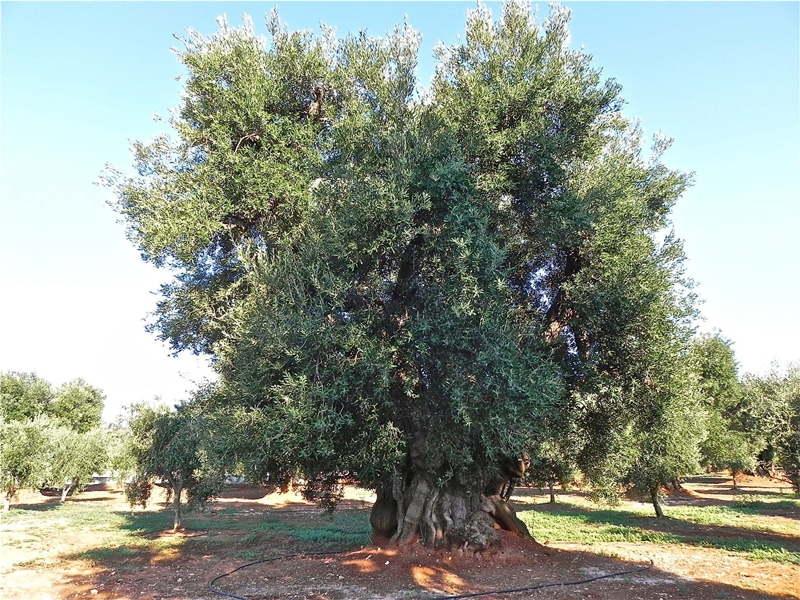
(51, 437)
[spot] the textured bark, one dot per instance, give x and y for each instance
(177, 489)
(505, 515)
(656, 503)
(442, 515)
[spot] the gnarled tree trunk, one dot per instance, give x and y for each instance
(66, 489)
(656, 503)
(177, 489)
(442, 514)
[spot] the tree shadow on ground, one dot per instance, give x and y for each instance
(47, 505)
(187, 570)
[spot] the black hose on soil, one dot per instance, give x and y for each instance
(543, 585)
(456, 597)
(259, 562)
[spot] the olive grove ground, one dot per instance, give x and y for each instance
(716, 542)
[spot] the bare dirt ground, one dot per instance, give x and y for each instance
(184, 566)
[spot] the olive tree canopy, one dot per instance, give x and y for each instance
(407, 287)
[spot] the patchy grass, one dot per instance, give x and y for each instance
(343, 529)
(751, 528)
(95, 532)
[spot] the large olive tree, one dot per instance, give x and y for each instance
(410, 288)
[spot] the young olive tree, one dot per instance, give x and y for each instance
(165, 446)
(407, 292)
(70, 457)
(43, 453)
(554, 464)
(666, 451)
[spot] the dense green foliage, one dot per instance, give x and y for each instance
(24, 396)
(44, 453)
(730, 442)
(404, 284)
(20, 464)
(78, 405)
(164, 446)
(773, 408)
(51, 438)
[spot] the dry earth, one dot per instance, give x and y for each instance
(375, 572)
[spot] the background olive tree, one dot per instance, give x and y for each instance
(773, 408)
(164, 446)
(51, 438)
(21, 460)
(76, 404)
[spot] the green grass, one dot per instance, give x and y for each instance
(342, 529)
(745, 529)
(765, 505)
(749, 516)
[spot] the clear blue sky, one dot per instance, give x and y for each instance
(80, 80)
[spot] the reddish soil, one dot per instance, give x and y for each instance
(380, 573)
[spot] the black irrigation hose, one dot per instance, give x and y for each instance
(543, 585)
(258, 562)
(457, 597)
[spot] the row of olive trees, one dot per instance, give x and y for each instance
(51, 438)
(772, 409)
(724, 422)
(42, 453)
(752, 422)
